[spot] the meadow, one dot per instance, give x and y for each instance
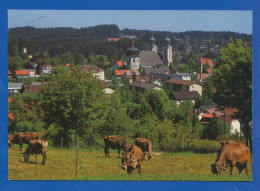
(92, 165)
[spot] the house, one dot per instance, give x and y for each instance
(156, 70)
(10, 75)
(142, 79)
(128, 76)
(205, 118)
(15, 88)
(143, 87)
(31, 65)
(112, 39)
(119, 64)
(234, 124)
(22, 73)
(99, 73)
(34, 87)
(182, 76)
(179, 96)
(182, 85)
(130, 36)
(159, 79)
(121, 73)
(45, 69)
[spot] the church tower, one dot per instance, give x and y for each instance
(152, 45)
(167, 52)
(133, 58)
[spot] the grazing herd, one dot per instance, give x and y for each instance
(35, 144)
(232, 153)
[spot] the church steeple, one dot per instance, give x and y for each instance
(167, 51)
(152, 45)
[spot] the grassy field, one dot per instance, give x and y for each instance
(60, 165)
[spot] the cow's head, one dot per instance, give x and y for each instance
(149, 155)
(26, 156)
(129, 162)
(216, 168)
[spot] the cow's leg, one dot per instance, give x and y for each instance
(107, 151)
(118, 152)
(139, 168)
(232, 167)
(244, 167)
(43, 153)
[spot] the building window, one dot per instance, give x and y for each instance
(133, 60)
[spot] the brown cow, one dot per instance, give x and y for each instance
(113, 142)
(234, 154)
(37, 146)
(24, 138)
(231, 141)
(132, 158)
(145, 145)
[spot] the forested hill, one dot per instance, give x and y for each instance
(93, 40)
(188, 35)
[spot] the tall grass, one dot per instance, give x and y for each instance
(61, 163)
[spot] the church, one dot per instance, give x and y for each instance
(149, 58)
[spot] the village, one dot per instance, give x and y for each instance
(142, 70)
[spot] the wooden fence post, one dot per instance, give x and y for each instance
(77, 153)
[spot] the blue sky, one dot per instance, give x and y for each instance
(174, 21)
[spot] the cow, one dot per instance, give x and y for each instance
(132, 158)
(113, 142)
(24, 138)
(230, 141)
(233, 154)
(10, 137)
(145, 145)
(37, 146)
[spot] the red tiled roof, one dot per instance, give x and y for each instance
(120, 63)
(67, 65)
(121, 72)
(207, 60)
(230, 111)
(181, 82)
(207, 115)
(112, 39)
(9, 72)
(22, 72)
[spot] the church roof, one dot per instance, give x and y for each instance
(152, 39)
(168, 39)
(132, 51)
(150, 58)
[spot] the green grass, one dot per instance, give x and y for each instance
(60, 165)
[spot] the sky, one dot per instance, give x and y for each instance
(173, 21)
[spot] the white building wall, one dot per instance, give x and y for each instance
(235, 127)
(196, 87)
